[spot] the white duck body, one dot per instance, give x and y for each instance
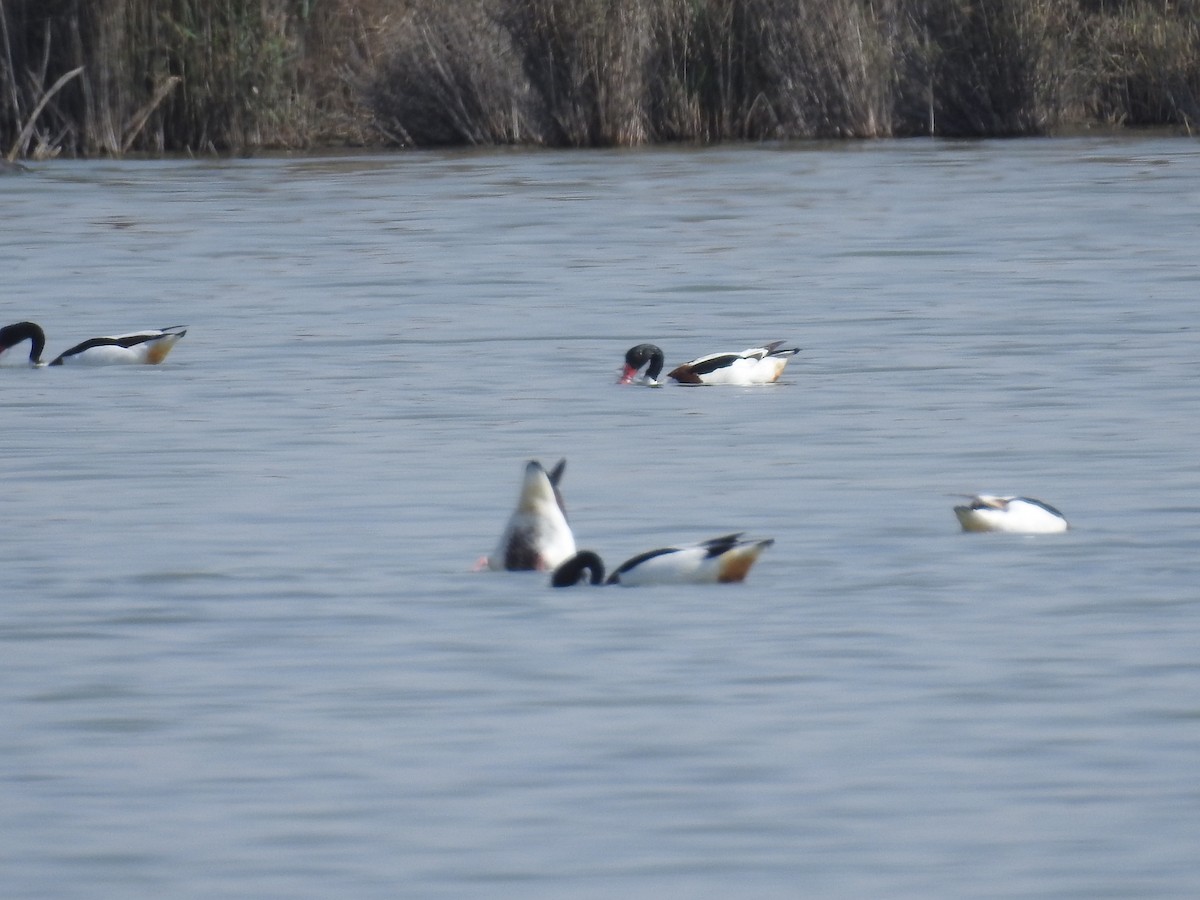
(537, 536)
(758, 365)
(1015, 515)
(721, 560)
(138, 347)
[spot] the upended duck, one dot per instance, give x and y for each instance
(148, 347)
(537, 536)
(721, 560)
(1015, 515)
(757, 365)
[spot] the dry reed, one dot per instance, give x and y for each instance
(234, 76)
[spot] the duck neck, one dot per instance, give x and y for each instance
(25, 331)
(656, 366)
(571, 572)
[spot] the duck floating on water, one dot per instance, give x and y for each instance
(148, 347)
(537, 536)
(721, 560)
(757, 365)
(1015, 515)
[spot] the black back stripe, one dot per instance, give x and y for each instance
(1046, 506)
(641, 558)
(717, 362)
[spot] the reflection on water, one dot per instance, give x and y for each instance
(243, 654)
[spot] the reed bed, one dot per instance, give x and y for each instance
(91, 77)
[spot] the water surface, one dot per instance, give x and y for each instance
(242, 653)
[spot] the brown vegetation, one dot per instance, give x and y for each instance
(115, 76)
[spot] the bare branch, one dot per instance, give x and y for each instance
(27, 131)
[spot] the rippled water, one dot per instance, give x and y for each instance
(242, 653)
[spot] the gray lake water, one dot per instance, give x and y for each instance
(242, 652)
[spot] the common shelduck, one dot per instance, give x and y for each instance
(537, 535)
(1016, 515)
(145, 347)
(758, 365)
(720, 560)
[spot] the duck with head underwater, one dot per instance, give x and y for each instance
(148, 347)
(722, 560)
(756, 365)
(537, 535)
(1014, 515)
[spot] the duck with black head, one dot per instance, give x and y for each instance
(756, 365)
(149, 347)
(722, 560)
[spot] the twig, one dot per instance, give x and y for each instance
(138, 122)
(12, 75)
(23, 137)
